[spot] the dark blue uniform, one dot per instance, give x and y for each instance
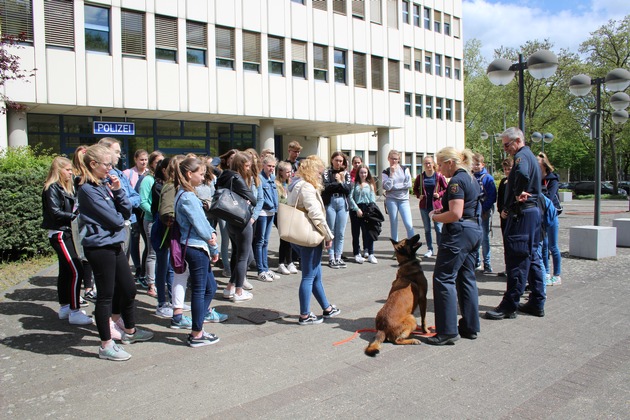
(522, 234)
(454, 275)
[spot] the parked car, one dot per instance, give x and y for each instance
(588, 187)
(625, 185)
(566, 185)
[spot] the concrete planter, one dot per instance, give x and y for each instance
(565, 196)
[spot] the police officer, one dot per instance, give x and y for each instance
(522, 231)
(454, 274)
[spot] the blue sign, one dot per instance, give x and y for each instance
(114, 128)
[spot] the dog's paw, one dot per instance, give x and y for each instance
(415, 341)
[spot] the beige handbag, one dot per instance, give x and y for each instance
(295, 227)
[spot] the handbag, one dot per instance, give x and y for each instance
(295, 227)
(178, 254)
(437, 202)
(231, 207)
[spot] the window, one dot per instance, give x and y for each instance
(376, 13)
(340, 66)
(339, 6)
(360, 74)
(165, 38)
(416, 15)
(418, 105)
(437, 21)
(427, 62)
(224, 44)
(320, 62)
(405, 11)
(320, 4)
(419, 160)
(456, 27)
(298, 1)
(447, 24)
(392, 14)
(393, 73)
(449, 109)
(251, 51)
(439, 103)
(438, 64)
(417, 60)
(447, 67)
(377, 73)
(458, 69)
(196, 42)
(358, 9)
(408, 104)
(427, 18)
(458, 111)
(276, 55)
(133, 33)
(16, 17)
(408, 159)
(298, 53)
(429, 107)
(407, 58)
(59, 23)
(96, 28)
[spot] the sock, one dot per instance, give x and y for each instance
(177, 318)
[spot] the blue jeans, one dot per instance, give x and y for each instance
(394, 207)
(202, 284)
(550, 244)
(426, 222)
(485, 241)
(261, 242)
(163, 274)
(337, 218)
(311, 265)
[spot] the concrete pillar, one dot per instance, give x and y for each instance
(267, 135)
(17, 129)
(4, 137)
(381, 155)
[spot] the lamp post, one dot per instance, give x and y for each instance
(544, 138)
(615, 80)
(541, 64)
(496, 137)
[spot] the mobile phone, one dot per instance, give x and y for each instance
(107, 180)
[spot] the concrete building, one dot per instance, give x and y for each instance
(205, 76)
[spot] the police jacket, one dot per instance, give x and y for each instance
(463, 186)
(57, 206)
(525, 176)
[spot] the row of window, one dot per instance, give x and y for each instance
(430, 20)
(443, 64)
(422, 107)
(359, 9)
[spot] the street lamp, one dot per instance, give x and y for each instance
(497, 137)
(615, 80)
(545, 138)
(541, 65)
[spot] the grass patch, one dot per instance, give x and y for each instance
(12, 273)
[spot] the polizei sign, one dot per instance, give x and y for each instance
(114, 128)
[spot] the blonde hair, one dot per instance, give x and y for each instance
(54, 174)
(310, 171)
(256, 164)
(542, 158)
(238, 165)
(76, 159)
(294, 145)
(94, 153)
(463, 159)
(108, 141)
(285, 166)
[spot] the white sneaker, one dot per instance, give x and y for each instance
(292, 268)
(186, 308)
(282, 269)
(64, 312)
(228, 293)
(428, 254)
(359, 259)
(79, 318)
(164, 310)
(265, 277)
(366, 253)
(245, 295)
(247, 285)
(372, 259)
(273, 275)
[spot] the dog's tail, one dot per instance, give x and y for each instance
(375, 346)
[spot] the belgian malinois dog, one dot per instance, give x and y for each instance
(395, 321)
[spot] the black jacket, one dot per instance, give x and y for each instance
(373, 218)
(235, 180)
(57, 206)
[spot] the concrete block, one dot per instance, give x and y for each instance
(592, 242)
(565, 196)
(623, 231)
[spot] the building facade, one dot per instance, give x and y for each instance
(205, 76)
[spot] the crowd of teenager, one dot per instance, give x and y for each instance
(99, 218)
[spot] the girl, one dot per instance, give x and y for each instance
(337, 185)
(59, 210)
(135, 174)
(285, 252)
(428, 187)
(363, 192)
(262, 229)
(396, 183)
(550, 240)
(89, 293)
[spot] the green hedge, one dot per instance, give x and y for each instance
(22, 175)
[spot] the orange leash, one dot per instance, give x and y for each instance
(357, 332)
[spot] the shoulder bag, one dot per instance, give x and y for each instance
(231, 207)
(295, 227)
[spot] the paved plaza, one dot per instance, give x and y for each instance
(573, 363)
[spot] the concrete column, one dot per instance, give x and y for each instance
(17, 128)
(4, 137)
(266, 135)
(381, 155)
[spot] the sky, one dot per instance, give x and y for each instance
(511, 23)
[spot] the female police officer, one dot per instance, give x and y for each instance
(454, 274)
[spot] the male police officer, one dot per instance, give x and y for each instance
(522, 231)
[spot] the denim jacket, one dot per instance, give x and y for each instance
(191, 218)
(270, 193)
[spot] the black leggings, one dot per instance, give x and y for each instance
(241, 252)
(115, 285)
(70, 270)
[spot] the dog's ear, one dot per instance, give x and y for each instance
(416, 247)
